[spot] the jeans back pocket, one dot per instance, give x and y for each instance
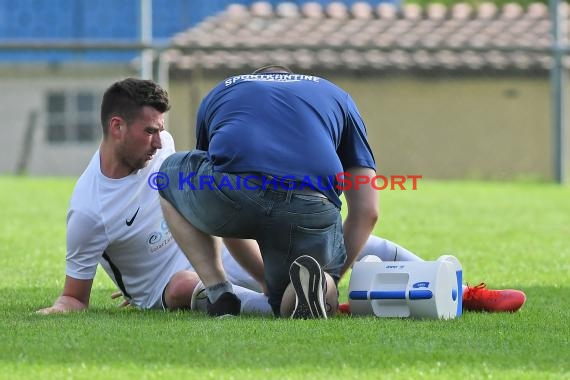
(323, 244)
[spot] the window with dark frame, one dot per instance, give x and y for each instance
(72, 116)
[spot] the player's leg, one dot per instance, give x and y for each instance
(204, 253)
(185, 291)
(386, 250)
(192, 217)
(475, 298)
(252, 302)
(178, 292)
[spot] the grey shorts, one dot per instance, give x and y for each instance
(286, 223)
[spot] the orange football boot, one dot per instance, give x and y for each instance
(479, 298)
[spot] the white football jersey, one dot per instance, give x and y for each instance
(114, 222)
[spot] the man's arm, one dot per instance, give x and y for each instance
(363, 212)
(75, 297)
(86, 242)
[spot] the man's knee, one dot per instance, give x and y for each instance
(178, 293)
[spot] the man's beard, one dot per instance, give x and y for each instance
(134, 165)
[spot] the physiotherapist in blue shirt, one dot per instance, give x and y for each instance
(274, 152)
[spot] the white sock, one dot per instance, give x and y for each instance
(215, 291)
(252, 302)
(386, 250)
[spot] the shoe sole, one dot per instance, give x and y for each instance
(307, 278)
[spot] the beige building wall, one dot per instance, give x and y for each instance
(480, 128)
(23, 91)
(489, 128)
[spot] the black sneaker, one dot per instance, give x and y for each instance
(309, 282)
(228, 304)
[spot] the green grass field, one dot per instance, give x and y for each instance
(506, 234)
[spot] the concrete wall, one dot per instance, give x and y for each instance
(482, 128)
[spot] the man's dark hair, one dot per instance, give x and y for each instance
(126, 98)
(273, 69)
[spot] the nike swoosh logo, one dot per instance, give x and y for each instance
(129, 222)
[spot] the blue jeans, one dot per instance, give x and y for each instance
(286, 223)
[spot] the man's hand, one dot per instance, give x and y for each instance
(63, 304)
(125, 302)
(75, 297)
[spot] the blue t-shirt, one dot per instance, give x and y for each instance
(284, 125)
